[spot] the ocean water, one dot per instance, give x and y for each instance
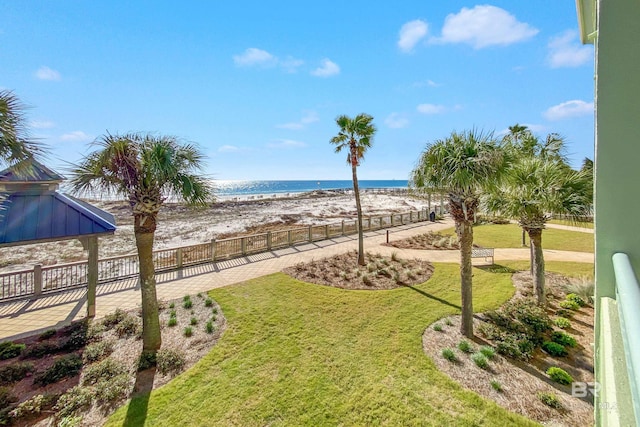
(240, 188)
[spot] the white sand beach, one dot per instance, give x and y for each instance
(181, 226)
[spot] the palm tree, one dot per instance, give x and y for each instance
(15, 144)
(357, 136)
(145, 170)
(461, 165)
(533, 188)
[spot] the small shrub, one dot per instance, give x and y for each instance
(97, 351)
(562, 323)
(9, 350)
(15, 372)
(172, 305)
(394, 256)
(170, 361)
(367, 280)
(437, 327)
(49, 333)
(193, 321)
(584, 288)
(113, 389)
(102, 371)
(209, 302)
(186, 302)
(70, 421)
(6, 397)
(371, 267)
(549, 399)
(567, 314)
(199, 295)
(487, 351)
(465, 346)
(569, 305)
(128, 327)
(172, 313)
(95, 331)
(63, 367)
(448, 322)
(559, 375)
(577, 299)
(496, 385)
(112, 319)
(172, 322)
(480, 360)
(515, 346)
(448, 354)
(563, 339)
(146, 360)
(209, 328)
(214, 310)
(554, 349)
(188, 331)
(74, 400)
(33, 406)
(397, 278)
(41, 349)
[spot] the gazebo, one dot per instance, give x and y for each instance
(33, 211)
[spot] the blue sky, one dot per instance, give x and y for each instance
(258, 86)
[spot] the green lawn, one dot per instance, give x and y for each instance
(582, 224)
(510, 236)
(297, 354)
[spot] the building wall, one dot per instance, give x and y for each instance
(617, 197)
(617, 192)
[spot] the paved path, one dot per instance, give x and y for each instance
(24, 317)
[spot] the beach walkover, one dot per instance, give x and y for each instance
(24, 317)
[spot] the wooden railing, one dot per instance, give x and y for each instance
(45, 280)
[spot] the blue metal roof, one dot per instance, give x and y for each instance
(30, 217)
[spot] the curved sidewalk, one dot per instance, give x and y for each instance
(25, 317)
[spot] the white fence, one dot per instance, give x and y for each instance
(45, 280)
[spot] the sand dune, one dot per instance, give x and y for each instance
(181, 226)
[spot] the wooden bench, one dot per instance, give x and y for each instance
(485, 253)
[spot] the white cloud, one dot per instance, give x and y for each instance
(76, 136)
(46, 73)
(569, 109)
(484, 26)
(411, 33)
(566, 50)
(228, 149)
(308, 118)
(291, 64)
(286, 143)
(254, 56)
(396, 121)
(327, 69)
(42, 124)
(429, 83)
(431, 108)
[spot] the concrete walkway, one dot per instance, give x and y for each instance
(25, 317)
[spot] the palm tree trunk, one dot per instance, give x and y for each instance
(151, 338)
(465, 237)
(537, 263)
(356, 190)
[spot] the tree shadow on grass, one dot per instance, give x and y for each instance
(435, 298)
(137, 410)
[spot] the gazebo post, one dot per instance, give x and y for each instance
(92, 276)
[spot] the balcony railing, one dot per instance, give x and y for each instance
(628, 303)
